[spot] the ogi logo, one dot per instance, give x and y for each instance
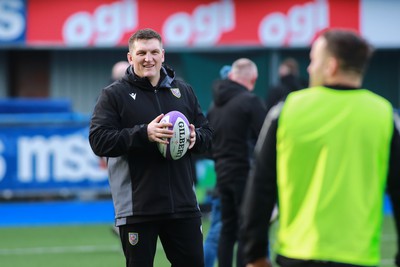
(105, 26)
(203, 27)
(297, 27)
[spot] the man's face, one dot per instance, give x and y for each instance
(317, 69)
(146, 57)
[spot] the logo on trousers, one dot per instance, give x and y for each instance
(133, 238)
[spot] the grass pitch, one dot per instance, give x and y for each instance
(97, 246)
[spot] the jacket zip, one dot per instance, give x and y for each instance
(158, 101)
(169, 176)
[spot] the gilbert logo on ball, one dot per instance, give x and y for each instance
(179, 143)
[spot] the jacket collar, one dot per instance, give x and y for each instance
(167, 76)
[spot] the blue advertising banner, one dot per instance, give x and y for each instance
(47, 156)
(44, 150)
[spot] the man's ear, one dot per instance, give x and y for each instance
(230, 76)
(332, 66)
(253, 82)
(129, 57)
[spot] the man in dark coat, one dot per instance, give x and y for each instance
(236, 116)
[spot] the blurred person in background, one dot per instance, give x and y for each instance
(153, 197)
(211, 241)
(289, 81)
(328, 153)
(236, 115)
(118, 70)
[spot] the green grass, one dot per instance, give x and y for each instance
(97, 246)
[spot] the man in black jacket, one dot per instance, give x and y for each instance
(153, 197)
(236, 116)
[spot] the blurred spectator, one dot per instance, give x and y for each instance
(211, 241)
(236, 116)
(289, 81)
(118, 70)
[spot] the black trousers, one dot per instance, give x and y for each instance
(182, 240)
(288, 262)
(231, 196)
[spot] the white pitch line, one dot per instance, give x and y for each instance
(88, 249)
(59, 250)
(387, 262)
(388, 237)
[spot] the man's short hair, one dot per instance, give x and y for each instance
(244, 67)
(144, 34)
(352, 51)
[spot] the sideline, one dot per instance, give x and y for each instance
(62, 250)
(63, 212)
(59, 250)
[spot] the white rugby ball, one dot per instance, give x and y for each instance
(179, 143)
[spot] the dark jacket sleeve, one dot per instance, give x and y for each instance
(394, 180)
(208, 153)
(107, 138)
(274, 95)
(259, 111)
(261, 192)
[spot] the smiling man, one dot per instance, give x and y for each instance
(146, 56)
(153, 196)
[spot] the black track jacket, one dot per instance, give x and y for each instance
(143, 183)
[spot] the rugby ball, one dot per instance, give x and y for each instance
(179, 143)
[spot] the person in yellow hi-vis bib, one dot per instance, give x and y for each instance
(326, 155)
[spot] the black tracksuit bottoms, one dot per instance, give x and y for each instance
(182, 240)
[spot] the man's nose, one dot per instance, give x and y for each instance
(148, 57)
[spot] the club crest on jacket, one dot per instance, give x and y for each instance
(176, 92)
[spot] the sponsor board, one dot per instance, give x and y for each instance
(49, 158)
(187, 24)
